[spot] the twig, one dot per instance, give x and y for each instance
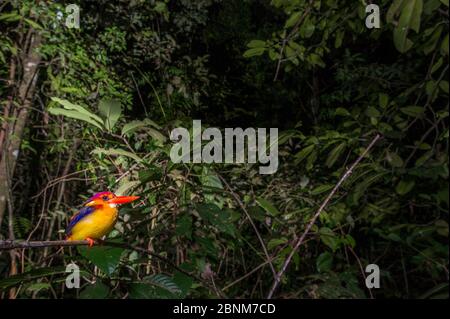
(16, 244)
(361, 268)
(289, 36)
(316, 215)
(263, 245)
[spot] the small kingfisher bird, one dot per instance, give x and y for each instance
(97, 218)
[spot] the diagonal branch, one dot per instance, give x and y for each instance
(316, 215)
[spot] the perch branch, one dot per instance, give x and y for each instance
(17, 244)
(316, 215)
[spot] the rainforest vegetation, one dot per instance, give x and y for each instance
(90, 109)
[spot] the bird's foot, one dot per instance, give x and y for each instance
(90, 241)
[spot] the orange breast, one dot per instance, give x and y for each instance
(95, 225)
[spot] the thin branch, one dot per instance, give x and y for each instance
(316, 215)
(16, 244)
(289, 36)
(263, 245)
(361, 268)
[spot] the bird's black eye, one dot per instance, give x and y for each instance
(105, 197)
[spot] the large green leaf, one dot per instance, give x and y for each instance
(404, 187)
(135, 125)
(409, 20)
(105, 258)
(329, 238)
(212, 186)
(253, 52)
(324, 262)
(70, 106)
(156, 286)
(98, 290)
(334, 155)
(75, 115)
(111, 110)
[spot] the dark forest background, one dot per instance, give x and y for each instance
(90, 109)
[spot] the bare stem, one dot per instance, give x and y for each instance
(316, 215)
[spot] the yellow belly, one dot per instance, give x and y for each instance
(95, 225)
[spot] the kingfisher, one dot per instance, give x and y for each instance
(97, 218)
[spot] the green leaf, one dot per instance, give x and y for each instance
(142, 291)
(33, 24)
(395, 7)
(424, 158)
(339, 38)
(324, 262)
(383, 100)
(70, 106)
(183, 281)
(329, 238)
(135, 125)
(444, 46)
(211, 185)
(268, 206)
(333, 156)
(304, 152)
(445, 2)
(36, 287)
(444, 86)
(293, 19)
(307, 29)
(164, 282)
(414, 111)
(404, 187)
(341, 111)
(372, 112)
(117, 152)
(156, 135)
(394, 159)
(111, 110)
(74, 115)
(256, 44)
(409, 20)
(321, 189)
(156, 286)
(430, 45)
(441, 227)
(276, 242)
(96, 291)
(10, 17)
(105, 258)
(315, 59)
(254, 52)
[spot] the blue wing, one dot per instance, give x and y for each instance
(85, 211)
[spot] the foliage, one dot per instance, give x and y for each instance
(110, 92)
